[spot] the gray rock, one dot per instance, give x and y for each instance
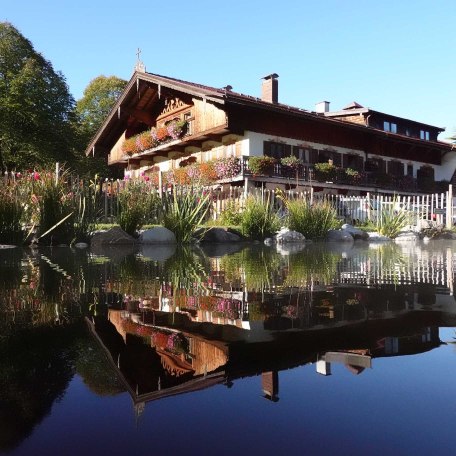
(377, 237)
(407, 236)
(81, 245)
(217, 234)
(157, 235)
(158, 252)
(268, 241)
(356, 233)
(113, 236)
(339, 236)
(290, 248)
(285, 236)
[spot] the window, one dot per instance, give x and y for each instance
(390, 126)
(396, 168)
(276, 150)
(424, 134)
(188, 118)
(410, 170)
(302, 153)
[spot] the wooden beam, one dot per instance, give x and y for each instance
(143, 116)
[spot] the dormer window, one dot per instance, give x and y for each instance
(424, 134)
(390, 126)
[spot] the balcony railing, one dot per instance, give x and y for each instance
(307, 173)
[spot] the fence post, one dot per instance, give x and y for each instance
(449, 207)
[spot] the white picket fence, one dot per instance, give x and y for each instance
(437, 208)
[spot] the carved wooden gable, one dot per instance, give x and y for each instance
(173, 105)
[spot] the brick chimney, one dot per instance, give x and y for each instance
(270, 88)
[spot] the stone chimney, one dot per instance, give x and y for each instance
(322, 107)
(270, 88)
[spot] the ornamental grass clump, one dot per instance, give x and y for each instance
(259, 219)
(11, 231)
(184, 209)
(312, 220)
(54, 199)
(138, 204)
(392, 219)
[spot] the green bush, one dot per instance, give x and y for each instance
(312, 220)
(231, 215)
(259, 219)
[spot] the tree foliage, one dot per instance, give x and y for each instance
(98, 99)
(36, 107)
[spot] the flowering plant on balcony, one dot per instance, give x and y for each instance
(155, 137)
(262, 164)
(225, 168)
(325, 171)
(290, 165)
(353, 175)
(291, 161)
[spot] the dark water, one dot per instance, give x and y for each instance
(229, 350)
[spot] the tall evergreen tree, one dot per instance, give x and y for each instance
(36, 107)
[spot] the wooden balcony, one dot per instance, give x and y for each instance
(307, 174)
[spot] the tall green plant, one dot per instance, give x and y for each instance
(312, 220)
(259, 219)
(137, 202)
(55, 205)
(392, 219)
(87, 207)
(11, 231)
(185, 208)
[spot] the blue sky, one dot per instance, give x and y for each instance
(392, 56)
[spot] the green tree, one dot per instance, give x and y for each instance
(36, 108)
(98, 99)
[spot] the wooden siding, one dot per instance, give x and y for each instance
(207, 116)
(329, 133)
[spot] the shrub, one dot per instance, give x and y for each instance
(312, 220)
(231, 215)
(259, 219)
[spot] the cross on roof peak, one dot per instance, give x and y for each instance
(140, 67)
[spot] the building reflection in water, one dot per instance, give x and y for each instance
(239, 319)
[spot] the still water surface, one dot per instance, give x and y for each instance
(229, 350)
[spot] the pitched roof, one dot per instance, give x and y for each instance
(117, 119)
(352, 105)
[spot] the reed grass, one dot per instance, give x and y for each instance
(259, 219)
